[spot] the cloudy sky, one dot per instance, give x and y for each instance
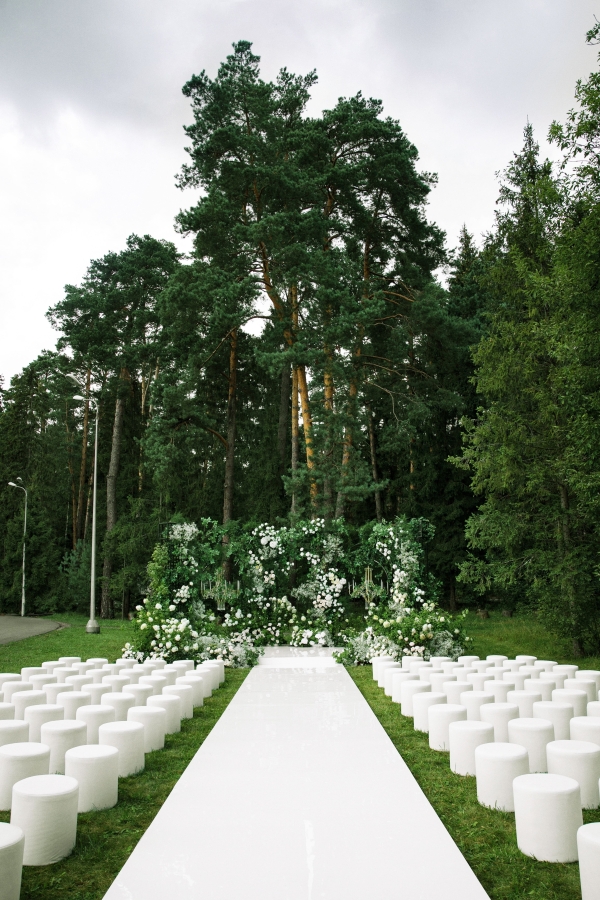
(91, 111)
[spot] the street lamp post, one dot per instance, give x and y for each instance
(21, 488)
(92, 626)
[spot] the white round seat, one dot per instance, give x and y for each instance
(496, 767)
(128, 738)
(421, 703)
(534, 735)
(157, 683)
(407, 692)
(383, 668)
(196, 684)
(463, 738)
(585, 728)
(50, 665)
(547, 816)
(388, 675)
(83, 667)
(497, 659)
(18, 761)
(406, 661)
(117, 682)
(12, 844)
(398, 677)
(78, 681)
(96, 692)
(109, 669)
(588, 847)
(473, 701)
(453, 690)
(22, 699)
(579, 760)
(71, 701)
(427, 673)
(537, 686)
(53, 690)
(94, 716)
(188, 665)
(593, 709)
(98, 661)
(28, 671)
(186, 694)
(97, 675)
(128, 663)
(479, 680)
(60, 736)
(36, 716)
(139, 692)
(63, 672)
(154, 720)
(530, 671)
(578, 699)
(214, 672)
(159, 663)
(589, 675)
(7, 711)
(468, 659)
(516, 679)
(13, 687)
(96, 770)
(558, 677)
(560, 714)
(545, 665)
(568, 671)
(440, 717)
(172, 706)
(134, 674)
(45, 808)
(526, 660)
(511, 665)
(6, 677)
(68, 660)
(439, 679)
(498, 715)
(39, 682)
(13, 731)
(524, 700)
(582, 684)
(208, 679)
(121, 703)
(171, 673)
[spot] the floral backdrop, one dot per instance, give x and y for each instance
(364, 591)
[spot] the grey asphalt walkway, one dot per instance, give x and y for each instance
(15, 628)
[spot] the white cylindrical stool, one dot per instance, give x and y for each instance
(577, 699)
(497, 659)
(195, 682)
(453, 690)
(83, 667)
(560, 714)
(545, 665)
(588, 847)
(45, 808)
(94, 716)
(498, 715)
(189, 665)
(407, 692)
(426, 673)
(97, 692)
(531, 672)
(421, 704)
(398, 678)
(67, 660)
(579, 760)
(128, 664)
(383, 667)
(22, 699)
(185, 693)
(479, 680)
(537, 686)
(97, 675)
(582, 684)
(585, 728)
(439, 679)
(13, 731)
(589, 675)
(6, 677)
(534, 735)
(98, 661)
(12, 843)
(36, 716)
(463, 738)
(63, 672)
(526, 660)
(78, 681)
(173, 707)
(388, 675)
(375, 660)
(117, 682)
(60, 736)
(128, 738)
(496, 767)
(96, 770)
(7, 711)
(154, 720)
(156, 682)
(511, 665)
(39, 682)
(213, 671)
(468, 659)
(524, 700)
(593, 709)
(53, 690)
(71, 701)
(558, 678)
(121, 703)
(547, 816)
(28, 671)
(440, 717)
(139, 692)
(171, 673)
(473, 701)
(13, 687)
(18, 761)
(516, 680)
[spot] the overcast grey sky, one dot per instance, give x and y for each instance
(91, 111)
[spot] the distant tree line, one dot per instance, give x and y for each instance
(371, 388)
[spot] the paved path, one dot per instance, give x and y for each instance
(297, 794)
(15, 628)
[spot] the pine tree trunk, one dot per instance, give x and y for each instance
(340, 506)
(107, 606)
(82, 470)
(378, 506)
(308, 434)
(295, 439)
(284, 409)
(230, 455)
(328, 404)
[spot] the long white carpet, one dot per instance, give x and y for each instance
(297, 794)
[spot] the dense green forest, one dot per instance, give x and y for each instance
(322, 353)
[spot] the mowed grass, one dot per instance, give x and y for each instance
(105, 839)
(486, 837)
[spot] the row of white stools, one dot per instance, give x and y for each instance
(528, 730)
(62, 757)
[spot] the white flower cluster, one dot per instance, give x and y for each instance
(184, 533)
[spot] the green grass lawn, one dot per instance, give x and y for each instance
(105, 839)
(485, 837)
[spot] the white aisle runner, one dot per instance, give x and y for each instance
(296, 794)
